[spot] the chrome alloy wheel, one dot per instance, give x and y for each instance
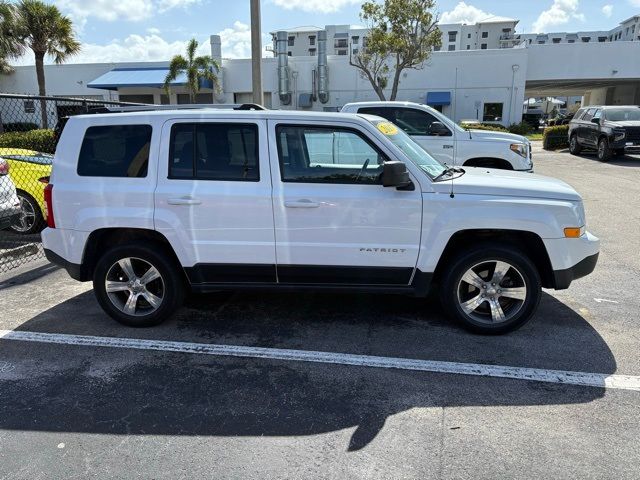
(134, 286)
(27, 217)
(492, 292)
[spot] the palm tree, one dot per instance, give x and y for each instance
(9, 47)
(196, 68)
(43, 29)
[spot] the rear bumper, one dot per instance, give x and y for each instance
(73, 269)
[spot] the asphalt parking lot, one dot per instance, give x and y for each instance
(165, 408)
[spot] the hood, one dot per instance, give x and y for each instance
(628, 123)
(499, 136)
(487, 181)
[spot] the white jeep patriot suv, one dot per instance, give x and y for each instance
(147, 204)
(448, 142)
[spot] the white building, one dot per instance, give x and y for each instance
(488, 34)
(303, 41)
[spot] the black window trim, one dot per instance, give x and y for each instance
(208, 122)
(324, 127)
(84, 136)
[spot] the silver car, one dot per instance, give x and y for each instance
(9, 202)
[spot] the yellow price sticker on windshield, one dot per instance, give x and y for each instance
(388, 128)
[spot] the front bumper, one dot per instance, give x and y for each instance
(572, 258)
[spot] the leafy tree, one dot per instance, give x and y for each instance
(402, 34)
(196, 68)
(43, 29)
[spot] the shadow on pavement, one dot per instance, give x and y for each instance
(127, 392)
(621, 161)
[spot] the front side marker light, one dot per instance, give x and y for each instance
(574, 232)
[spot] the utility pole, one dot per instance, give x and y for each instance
(256, 53)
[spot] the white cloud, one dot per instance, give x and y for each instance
(110, 10)
(635, 3)
(153, 30)
(321, 6)
(607, 10)
(133, 10)
(236, 43)
(464, 13)
(558, 14)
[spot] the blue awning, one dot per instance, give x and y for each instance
(139, 77)
(439, 98)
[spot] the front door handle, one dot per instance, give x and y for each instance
(304, 203)
(186, 200)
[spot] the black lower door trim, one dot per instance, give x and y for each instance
(343, 275)
(231, 273)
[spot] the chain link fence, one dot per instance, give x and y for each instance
(29, 129)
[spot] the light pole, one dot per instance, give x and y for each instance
(256, 52)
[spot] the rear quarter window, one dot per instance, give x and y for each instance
(115, 151)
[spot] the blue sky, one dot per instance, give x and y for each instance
(137, 30)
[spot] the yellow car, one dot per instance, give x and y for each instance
(29, 170)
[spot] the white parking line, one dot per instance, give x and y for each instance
(622, 382)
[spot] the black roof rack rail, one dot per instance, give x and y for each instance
(197, 106)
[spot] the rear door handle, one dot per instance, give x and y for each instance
(304, 203)
(186, 200)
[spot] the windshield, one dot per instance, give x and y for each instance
(622, 114)
(39, 158)
(410, 148)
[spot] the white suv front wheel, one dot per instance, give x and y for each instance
(491, 290)
(137, 286)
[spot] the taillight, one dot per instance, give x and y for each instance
(4, 167)
(48, 200)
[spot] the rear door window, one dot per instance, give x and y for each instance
(214, 151)
(115, 151)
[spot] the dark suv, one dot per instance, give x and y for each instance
(611, 130)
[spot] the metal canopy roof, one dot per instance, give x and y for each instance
(138, 77)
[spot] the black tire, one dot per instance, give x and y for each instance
(604, 150)
(517, 312)
(31, 219)
(574, 146)
(170, 287)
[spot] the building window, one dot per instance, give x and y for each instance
(571, 41)
(483, 46)
(136, 98)
(506, 30)
(164, 99)
(312, 39)
(289, 54)
(342, 52)
(436, 48)
(355, 51)
(452, 36)
(292, 40)
(115, 151)
(485, 34)
(556, 40)
(633, 29)
(586, 39)
(452, 48)
(541, 42)
(355, 40)
(340, 43)
(602, 39)
(468, 35)
(468, 47)
(312, 51)
(492, 112)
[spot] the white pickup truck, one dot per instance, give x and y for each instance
(147, 204)
(448, 142)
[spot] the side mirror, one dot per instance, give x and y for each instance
(596, 121)
(438, 129)
(395, 174)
